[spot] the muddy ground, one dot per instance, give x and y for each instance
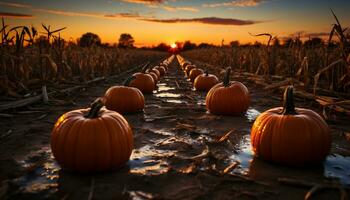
(178, 153)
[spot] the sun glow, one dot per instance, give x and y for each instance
(173, 45)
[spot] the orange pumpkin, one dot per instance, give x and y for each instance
(205, 82)
(194, 73)
(154, 76)
(161, 70)
(188, 69)
(291, 136)
(92, 140)
(164, 65)
(228, 98)
(156, 72)
(184, 65)
(124, 99)
(143, 82)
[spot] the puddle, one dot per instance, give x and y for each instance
(167, 95)
(176, 101)
(43, 177)
(252, 114)
(149, 161)
(201, 102)
(337, 166)
(164, 88)
(244, 156)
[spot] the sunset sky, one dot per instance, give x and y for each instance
(153, 21)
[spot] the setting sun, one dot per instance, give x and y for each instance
(173, 45)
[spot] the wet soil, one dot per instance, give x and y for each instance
(181, 152)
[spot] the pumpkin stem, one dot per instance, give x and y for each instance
(227, 77)
(128, 80)
(206, 72)
(288, 101)
(95, 108)
(145, 67)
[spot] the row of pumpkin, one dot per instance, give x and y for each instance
(285, 135)
(99, 138)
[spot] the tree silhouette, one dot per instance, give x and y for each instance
(234, 43)
(126, 41)
(188, 45)
(314, 42)
(162, 47)
(89, 39)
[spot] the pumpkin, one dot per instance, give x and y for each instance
(194, 73)
(143, 81)
(124, 99)
(156, 72)
(164, 65)
(92, 140)
(154, 76)
(161, 70)
(188, 69)
(205, 82)
(228, 98)
(291, 136)
(184, 65)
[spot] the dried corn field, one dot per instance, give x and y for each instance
(321, 73)
(31, 65)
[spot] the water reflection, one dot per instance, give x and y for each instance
(338, 166)
(175, 101)
(335, 166)
(164, 88)
(40, 177)
(149, 161)
(252, 114)
(167, 95)
(244, 155)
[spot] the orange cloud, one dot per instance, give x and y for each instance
(124, 15)
(14, 15)
(236, 3)
(144, 1)
(176, 8)
(205, 20)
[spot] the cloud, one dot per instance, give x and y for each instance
(176, 8)
(94, 15)
(148, 2)
(16, 5)
(62, 12)
(68, 13)
(205, 20)
(236, 3)
(124, 15)
(14, 15)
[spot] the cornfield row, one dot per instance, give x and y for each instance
(325, 67)
(303, 64)
(29, 61)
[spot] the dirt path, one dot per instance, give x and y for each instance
(177, 154)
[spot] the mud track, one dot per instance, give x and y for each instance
(181, 152)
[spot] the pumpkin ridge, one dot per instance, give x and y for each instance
(126, 130)
(77, 140)
(77, 124)
(111, 139)
(117, 131)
